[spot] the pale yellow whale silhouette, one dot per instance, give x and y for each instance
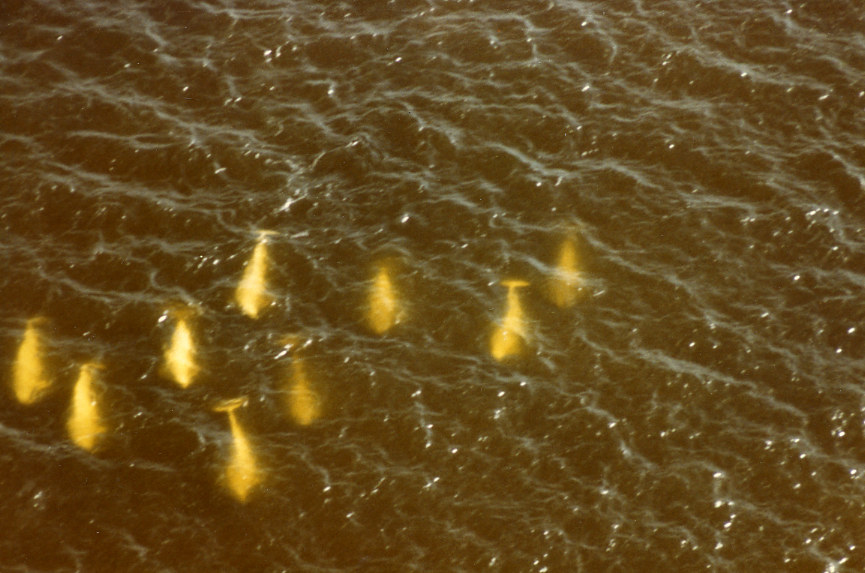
(565, 284)
(251, 294)
(242, 473)
(85, 425)
(510, 335)
(30, 381)
(302, 401)
(181, 362)
(384, 308)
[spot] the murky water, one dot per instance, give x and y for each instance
(676, 387)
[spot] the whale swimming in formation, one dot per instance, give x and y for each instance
(251, 294)
(384, 309)
(302, 401)
(563, 287)
(181, 363)
(242, 473)
(510, 335)
(30, 381)
(85, 425)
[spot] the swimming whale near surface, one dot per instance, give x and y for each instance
(242, 472)
(384, 309)
(30, 380)
(510, 335)
(302, 401)
(565, 283)
(251, 294)
(85, 424)
(181, 361)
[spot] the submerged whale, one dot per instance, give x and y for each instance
(384, 309)
(565, 283)
(510, 335)
(251, 294)
(85, 424)
(302, 401)
(181, 362)
(242, 472)
(30, 381)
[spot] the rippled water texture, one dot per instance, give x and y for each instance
(681, 391)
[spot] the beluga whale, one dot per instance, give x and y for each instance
(303, 403)
(511, 333)
(251, 294)
(85, 424)
(242, 472)
(564, 285)
(30, 380)
(384, 308)
(181, 354)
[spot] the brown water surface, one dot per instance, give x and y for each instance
(696, 406)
